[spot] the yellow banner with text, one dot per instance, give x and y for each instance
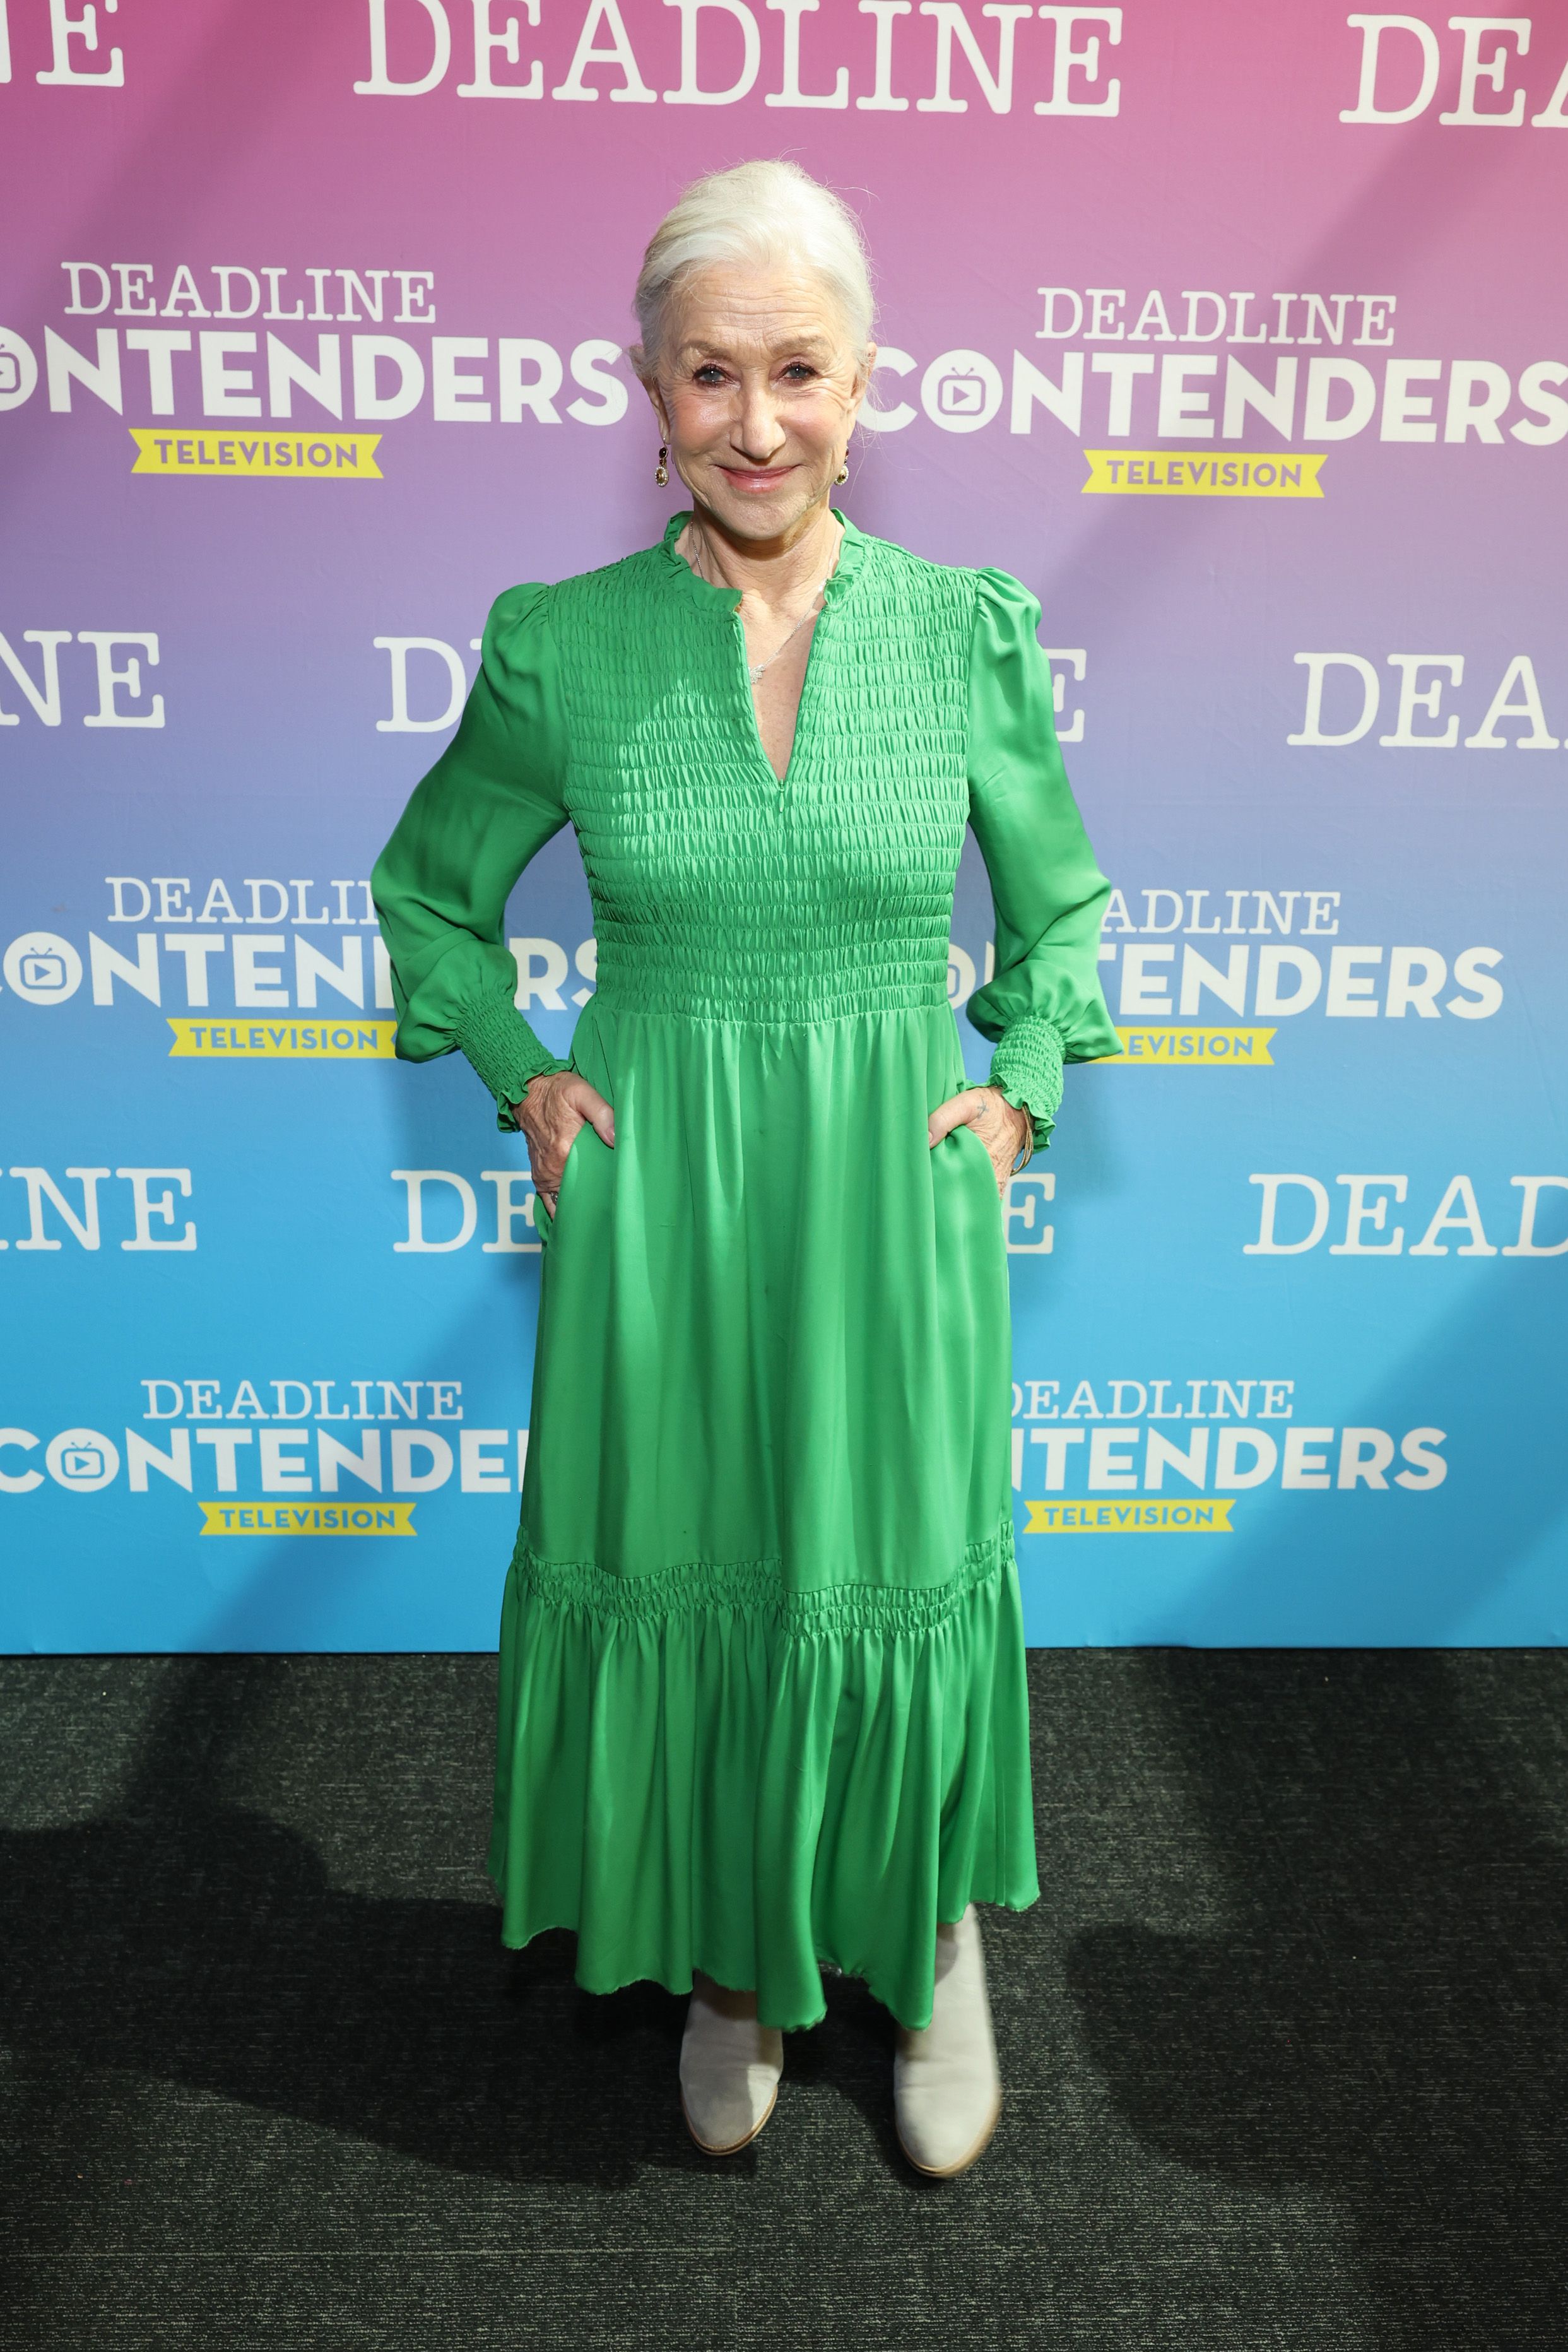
(259, 456)
(1211, 1515)
(282, 1040)
(307, 1519)
(1161, 474)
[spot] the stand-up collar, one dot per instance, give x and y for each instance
(726, 598)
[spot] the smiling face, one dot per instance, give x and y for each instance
(756, 387)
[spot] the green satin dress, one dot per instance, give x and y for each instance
(762, 1673)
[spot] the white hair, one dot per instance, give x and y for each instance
(760, 214)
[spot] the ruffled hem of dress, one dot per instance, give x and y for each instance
(701, 1965)
(707, 1772)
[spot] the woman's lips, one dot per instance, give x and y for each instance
(755, 479)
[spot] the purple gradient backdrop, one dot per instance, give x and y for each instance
(237, 138)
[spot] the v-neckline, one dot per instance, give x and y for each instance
(727, 600)
(778, 781)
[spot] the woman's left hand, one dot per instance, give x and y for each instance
(1003, 1130)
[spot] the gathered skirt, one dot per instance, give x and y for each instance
(763, 1703)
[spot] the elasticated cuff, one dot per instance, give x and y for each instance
(506, 1052)
(1026, 1067)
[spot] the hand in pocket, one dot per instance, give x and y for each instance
(555, 1108)
(1003, 1130)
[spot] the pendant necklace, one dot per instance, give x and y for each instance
(754, 670)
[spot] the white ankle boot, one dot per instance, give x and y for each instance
(947, 2090)
(730, 2067)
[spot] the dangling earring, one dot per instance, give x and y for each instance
(662, 471)
(844, 473)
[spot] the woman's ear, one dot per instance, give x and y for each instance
(650, 384)
(863, 381)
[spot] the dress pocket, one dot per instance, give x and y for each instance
(544, 1222)
(971, 1142)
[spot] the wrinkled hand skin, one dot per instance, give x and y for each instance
(557, 1104)
(1001, 1129)
(554, 1108)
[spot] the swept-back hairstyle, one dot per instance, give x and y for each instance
(763, 212)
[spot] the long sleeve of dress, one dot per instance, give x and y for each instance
(441, 885)
(1043, 1005)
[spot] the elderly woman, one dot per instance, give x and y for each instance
(763, 1706)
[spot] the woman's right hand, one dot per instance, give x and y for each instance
(554, 1107)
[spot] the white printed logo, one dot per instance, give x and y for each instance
(83, 1460)
(41, 967)
(961, 391)
(19, 370)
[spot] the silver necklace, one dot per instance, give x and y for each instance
(755, 669)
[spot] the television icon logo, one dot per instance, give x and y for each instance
(83, 1461)
(41, 967)
(961, 391)
(19, 370)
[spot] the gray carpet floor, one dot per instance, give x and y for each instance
(1283, 2042)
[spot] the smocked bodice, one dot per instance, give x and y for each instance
(720, 892)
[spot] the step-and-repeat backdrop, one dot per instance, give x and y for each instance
(1238, 334)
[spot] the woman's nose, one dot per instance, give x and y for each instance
(759, 433)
